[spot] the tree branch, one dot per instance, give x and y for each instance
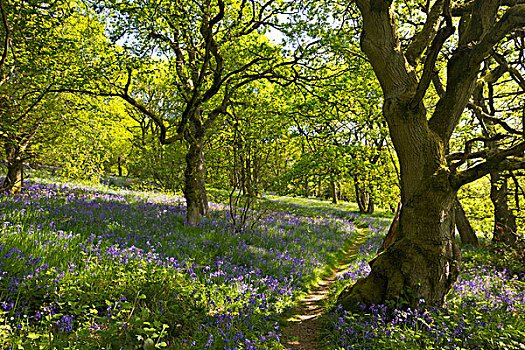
(493, 120)
(468, 146)
(512, 19)
(7, 38)
(430, 62)
(380, 42)
(422, 39)
(509, 159)
(514, 73)
(139, 106)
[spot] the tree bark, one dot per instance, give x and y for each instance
(333, 186)
(204, 208)
(250, 181)
(360, 196)
(504, 220)
(370, 208)
(390, 236)
(191, 186)
(242, 165)
(364, 199)
(14, 178)
(119, 164)
(467, 234)
(423, 261)
(194, 175)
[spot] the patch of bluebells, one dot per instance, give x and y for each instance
(249, 277)
(484, 310)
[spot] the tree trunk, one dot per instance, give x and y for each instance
(306, 187)
(359, 196)
(249, 178)
(14, 178)
(370, 208)
(194, 176)
(390, 236)
(333, 185)
(255, 175)
(243, 181)
(204, 208)
(191, 186)
(467, 234)
(504, 220)
(423, 261)
(119, 164)
(364, 200)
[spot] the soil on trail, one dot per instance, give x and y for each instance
(305, 321)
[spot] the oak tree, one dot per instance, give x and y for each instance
(423, 261)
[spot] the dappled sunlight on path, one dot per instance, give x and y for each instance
(304, 323)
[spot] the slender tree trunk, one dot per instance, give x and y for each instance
(204, 208)
(255, 173)
(249, 178)
(333, 185)
(359, 196)
(364, 200)
(370, 208)
(119, 164)
(504, 220)
(14, 178)
(243, 180)
(467, 234)
(191, 185)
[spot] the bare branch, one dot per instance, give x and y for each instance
(462, 155)
(513, 18)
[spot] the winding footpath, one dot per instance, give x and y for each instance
(304, 323)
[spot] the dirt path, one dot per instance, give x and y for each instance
(302, 332)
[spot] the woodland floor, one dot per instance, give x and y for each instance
(302, 332)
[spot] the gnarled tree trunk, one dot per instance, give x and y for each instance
(423, 260)
(14, 178)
